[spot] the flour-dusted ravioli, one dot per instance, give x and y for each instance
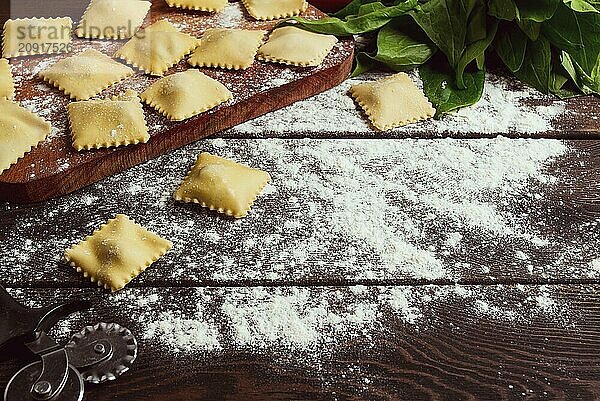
(185, 94)
(7, 86)
(295, 46)
(233, 49)
(112, 19)
(20, 130)
(117, 252)
(269, 9)
(199, 5)
(86, 74)
(392, 101)
(29, 36)
(222, 185)
(106, 123)
(157, 48)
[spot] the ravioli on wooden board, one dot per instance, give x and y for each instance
(20, 130)
(185, 94)
(269, 9)
(108, 123)
(86, 74)
(199, 5)
(112, 19)
(31, 36)
(7, 86)
(233, 49)
(295, 46)
(157, 48)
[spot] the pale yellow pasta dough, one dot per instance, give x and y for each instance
(20, 130)
(185, 94)
(157, 48)
(86, 74)
(233, 49)
(28, 36)
(392, 101)
(295, 46)
(99, 124)
(7, 86)
(112, 19)
(269, 9)
(199, 5)
(117, 252)
(222, 185)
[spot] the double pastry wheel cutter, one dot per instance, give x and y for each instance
(94, 355)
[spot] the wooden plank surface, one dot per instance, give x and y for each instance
(340, 284)
(343, 211)
(55, 168)
(454, 349)
(507, 108)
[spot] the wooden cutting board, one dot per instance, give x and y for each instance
(55, 168)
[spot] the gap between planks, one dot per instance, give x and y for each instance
(318, 284)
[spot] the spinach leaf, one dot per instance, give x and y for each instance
(363, 63)
(503, 9)
(445, 23)
(442, 92)
(402, 49)
(458, 28)
(511, 46)
(535, 71)
(474, 50)
(370, 17)
(530, 28)
(584, 6)
(401, 46)
(536, 10)
(352, 8)
(583, 81)
(578, 35)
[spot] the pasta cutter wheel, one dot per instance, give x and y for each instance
(96, 354)
(120, 351)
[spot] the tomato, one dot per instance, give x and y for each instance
(329, 6)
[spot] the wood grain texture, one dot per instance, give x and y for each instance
(457, 356)
(265, 248)
(54, 168)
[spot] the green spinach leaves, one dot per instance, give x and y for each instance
(552, 45)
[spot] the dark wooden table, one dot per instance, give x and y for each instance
(499, 313)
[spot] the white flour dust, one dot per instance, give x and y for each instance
(503, 109)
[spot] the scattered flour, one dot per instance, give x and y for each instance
(312, 322)
(503, 109)
(232, 16)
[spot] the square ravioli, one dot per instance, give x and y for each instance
(295, 46)
(269, 9)
(199, 5)
(7, 86)
(185, 94)
(86, 74)
(29, 36)
(233, 49)
(20, 130)
(117, 253)
(112, 19)
(157, 48)
(222, 185)
(392, 101)
(106, 123)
